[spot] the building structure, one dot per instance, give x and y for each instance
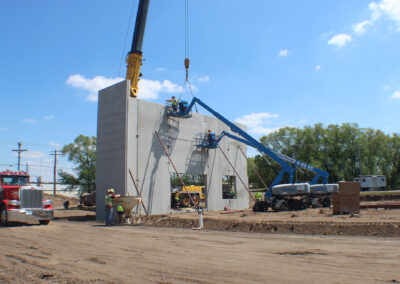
(126, 140)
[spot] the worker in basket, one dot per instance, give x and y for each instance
(174, 103)
(211, 137)
(109, 202)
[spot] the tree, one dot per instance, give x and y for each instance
(83, 153)
(344, 151)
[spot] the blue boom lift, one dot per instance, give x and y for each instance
(277, 197)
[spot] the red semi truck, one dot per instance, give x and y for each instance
(20, 202)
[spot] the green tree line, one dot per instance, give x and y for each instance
(344, 151)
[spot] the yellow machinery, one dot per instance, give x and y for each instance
(180, 198)
(134, 58)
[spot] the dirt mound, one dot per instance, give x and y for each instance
(58, 200)
(370, 222)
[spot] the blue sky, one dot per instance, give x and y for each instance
(268, 64)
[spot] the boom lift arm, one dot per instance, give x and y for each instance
(134, 58)
(248, 140)
(296, 163)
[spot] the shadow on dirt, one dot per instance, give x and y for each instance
(84, 218)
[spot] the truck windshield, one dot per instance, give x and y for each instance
(15, 180)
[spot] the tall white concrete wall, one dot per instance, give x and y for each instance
(146, 158)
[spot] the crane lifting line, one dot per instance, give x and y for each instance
(187, 60)
(126, 38)
(172, 163)
(245, 186)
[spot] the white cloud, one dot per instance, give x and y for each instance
(148, 89)
(161, 69)
(91, 85)
(204, 79)
(29, 120)
(49, 117)
(340, 40)
(318, 67)
(256, 122)
(361, 27)
(55, 144)
(388, 8)
(283, 52)
(396, 95)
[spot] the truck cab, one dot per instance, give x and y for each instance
(21, 202)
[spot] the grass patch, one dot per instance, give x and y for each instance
(380, 193)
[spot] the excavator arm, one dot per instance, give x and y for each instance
(134, 58)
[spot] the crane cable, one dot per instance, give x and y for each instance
(187, 60)
(126, 38)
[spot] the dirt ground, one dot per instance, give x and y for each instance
(84, 251)
(74, 248)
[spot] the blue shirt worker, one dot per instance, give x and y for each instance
(109, 202)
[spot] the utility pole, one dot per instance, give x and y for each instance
(19, 150)
(359, 159)
(55, 171)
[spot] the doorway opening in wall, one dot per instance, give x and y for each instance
(195, 185)
(229, 187)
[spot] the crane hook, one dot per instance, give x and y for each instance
(187, 62)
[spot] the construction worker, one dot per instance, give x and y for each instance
(174, 103)
(177, 198)
(109, 202)
(211, 138)
(258, 196)
(120, 212)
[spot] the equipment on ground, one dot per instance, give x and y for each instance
(131, 207)
(271, 200)
(372, 182)
(180, 197)
(20, 202)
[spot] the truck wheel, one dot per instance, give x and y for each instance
(185, 201)
(259, 206)
(281, 205)
(3, 216)
(316, 203)
(327, 202)
(196, 200)
(44, 222)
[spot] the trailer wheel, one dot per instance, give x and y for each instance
(316, 203)
(185, 201)
(44, 222)
(327, 202)
(260, 206)
(196, 199)
(281, 205)
(3, 216)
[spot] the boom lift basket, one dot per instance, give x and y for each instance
(179, 110)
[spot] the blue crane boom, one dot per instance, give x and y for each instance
(250, 141)
(283, 160)
(319, 173)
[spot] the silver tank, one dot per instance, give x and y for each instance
(291, 189)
